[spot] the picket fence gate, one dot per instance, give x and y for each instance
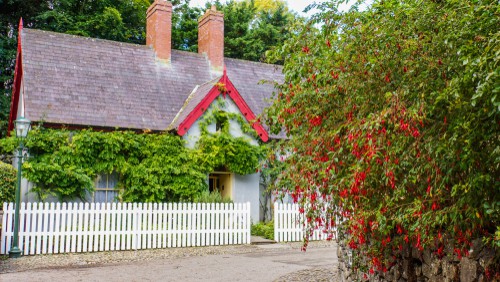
(289, 225)
(47, 228)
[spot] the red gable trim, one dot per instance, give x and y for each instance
(211, 96)
(18, 76)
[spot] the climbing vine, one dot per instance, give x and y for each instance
(221, 149)
(154, 167)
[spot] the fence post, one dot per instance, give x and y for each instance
(276, 222)
(134, 227)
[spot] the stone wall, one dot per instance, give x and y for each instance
(415, 266)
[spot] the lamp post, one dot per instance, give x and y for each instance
(23, 126)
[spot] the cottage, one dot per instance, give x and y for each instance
(77, 82)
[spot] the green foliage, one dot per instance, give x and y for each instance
(152, 167)
(393, 114)
(250, 30)
(220, 149)
(8, 177)
(115, 20)
(185, 26)
(211, 197)
(265, 230)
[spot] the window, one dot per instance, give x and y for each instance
(105, 188)
(220, 123)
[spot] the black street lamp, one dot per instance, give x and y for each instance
(23, 126)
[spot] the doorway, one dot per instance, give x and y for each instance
(221, 182)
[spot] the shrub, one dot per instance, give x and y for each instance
(7, 183)
(212, 197)
(265, 230)
(393, 114)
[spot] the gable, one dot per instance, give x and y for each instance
(203, 96)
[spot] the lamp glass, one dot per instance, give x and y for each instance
(23, 125)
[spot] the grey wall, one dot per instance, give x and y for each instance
(246, 189)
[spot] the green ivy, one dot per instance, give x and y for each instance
(222, 150)
(152, 167)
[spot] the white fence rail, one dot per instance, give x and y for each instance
(289, 224)
(76, 227)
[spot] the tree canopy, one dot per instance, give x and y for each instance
(393, 115)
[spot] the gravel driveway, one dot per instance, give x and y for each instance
(275, 262)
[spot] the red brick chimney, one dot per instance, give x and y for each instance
(211, 38)
(159, 28)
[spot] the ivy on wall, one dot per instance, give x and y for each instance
(221, 149)
(152, 167)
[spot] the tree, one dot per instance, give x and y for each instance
(185, 26)
(251, 30)
(393, 119)
(10, 12)
(113, 19)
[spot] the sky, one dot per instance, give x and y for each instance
(295, 5)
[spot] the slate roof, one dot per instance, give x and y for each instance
(194, 99)
(81, 81)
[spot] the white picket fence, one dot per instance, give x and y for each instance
(289, 224)
(76, 227)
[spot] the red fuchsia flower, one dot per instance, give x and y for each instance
(406, 239)
(429, 188)
(349, 116)
(344, 193)
(353, 245)
(316, 121)
(328, 43)
(434, 206)
(305, 49)
(415, 133)
(400, 230)
(405, 69)
(388, 78)
(440, 251)
(404, 126)
(301, 210)
(417, 245)
(350, 137)
(313, 197)
(361, 239)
